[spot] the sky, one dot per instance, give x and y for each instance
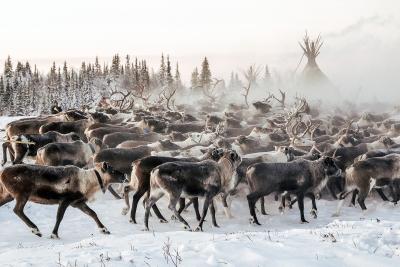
(361, 36)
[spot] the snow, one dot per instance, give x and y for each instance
(352, 239)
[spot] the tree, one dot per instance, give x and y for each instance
(2, 104)
(8, 71)
(115, 66)
(194, 81)
(205, 75)
(97, 67)
(162, 73)
(170, 80)
(178, 82)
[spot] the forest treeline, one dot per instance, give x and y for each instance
(24, 90)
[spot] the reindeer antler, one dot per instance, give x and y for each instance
(210, 91)
(282, 100)
(296, 135)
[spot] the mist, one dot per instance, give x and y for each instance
(359, 55)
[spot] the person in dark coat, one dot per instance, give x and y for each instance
(55, 108)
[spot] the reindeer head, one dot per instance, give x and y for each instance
(108, 174)
(330, 167)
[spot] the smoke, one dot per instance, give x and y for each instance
(357, 26)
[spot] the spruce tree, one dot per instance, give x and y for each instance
(162, 75)
(178, 82)
(170, 80)
(205, 75)
(2, 91)
(8, 71)
(194, 81)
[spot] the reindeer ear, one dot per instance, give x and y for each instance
(104, 166)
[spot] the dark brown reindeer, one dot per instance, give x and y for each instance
(140, 180)
(65, 186)
(193, 179)
(300, 177)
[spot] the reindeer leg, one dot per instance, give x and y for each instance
(60, 214)
(227, 209)
(158, 214)
(190, 202)
(283, 204)
(207, 201)
(353, 198)
(361, 199)
(196, 208)
(331, 187)
(252, 199)
(173, 200)
(300, 202)
(18, 158)
(135, 200)
(342, 197)
(381, 194)
(19, 210)
(5, 146)
(115, 194)
(85, 209)
(181, 204)
(212, 210)
(11, 152)
(127, 189)
(313, 211)
(149, 204)
(263, 212)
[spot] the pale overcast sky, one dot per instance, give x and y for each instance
(232, 33)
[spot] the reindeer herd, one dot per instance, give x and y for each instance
(212, 152)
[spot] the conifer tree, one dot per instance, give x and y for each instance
(178, 82)
(205, 75)
(194, 81)
(170, 80)
(162, 75)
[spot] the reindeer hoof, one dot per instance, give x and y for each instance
(173, 218)
(104, 231)
(36, 231)
(132, 221)
(163, 221)
(304, 221)
(187, 227)
(124, 211)
(54, 236)
(198, 229)
(252, 221)
(313, 213)
(336, 214)
(145, 230)
(216, 226)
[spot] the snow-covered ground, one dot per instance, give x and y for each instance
(350, 240)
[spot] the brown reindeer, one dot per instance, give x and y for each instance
(64, 186)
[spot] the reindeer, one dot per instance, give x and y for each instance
(75, 153)
(300, 177)
(24, 145)
(370, 173)
(64, 186)
(203, 179)
(140, 180)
